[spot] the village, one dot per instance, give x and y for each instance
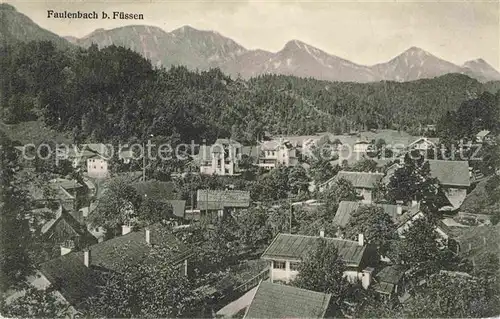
(258, 213)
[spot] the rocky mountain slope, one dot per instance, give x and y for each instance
(197, 49)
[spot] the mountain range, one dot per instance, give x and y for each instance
(198, 49)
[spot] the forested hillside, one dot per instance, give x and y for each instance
(114, 93)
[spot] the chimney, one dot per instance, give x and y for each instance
(322, 233)
(148, 235)
(399, 208)
(361, 240)
(86, 257)
(126, 229)
(366, 278)
(67, 247)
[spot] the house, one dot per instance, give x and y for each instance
(363, 182)
(287, 251)
(218, 202)
(64, 233)
(74, 273)
(483, 136)
(221, 158)
(424, 144)
(361, 146)
(70, 193)
(407, 219)
(95, 156)
(402, 216)
(283, 301)
(454, 177)
(277, 152)
(390, 280)
(346, 208)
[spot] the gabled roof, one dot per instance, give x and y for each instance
(388, 278)
(450, 173)
(80, 232)
(361, 179)
(220, 199)
(430, 140)
(282, 301)
(227, 141)
(76, 281)
(296, 247)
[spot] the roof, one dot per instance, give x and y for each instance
(81, 233)
(346, 208)
(227, 141)
(432, 140)
(483, 133)
(361, 179)
(391, 274)
(70, 276)
(178, 206)
(75, 281)
(66, 183)
(283, 301)
(220, 199)
(295, 247)
(450, 173)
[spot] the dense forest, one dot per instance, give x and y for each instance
(115, 94)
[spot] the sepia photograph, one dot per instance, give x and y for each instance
(249, 159)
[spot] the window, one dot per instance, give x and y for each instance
(294, 266)
(279, 264)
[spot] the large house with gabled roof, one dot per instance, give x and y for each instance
(73, 274)
(363, 182)
(286, 252)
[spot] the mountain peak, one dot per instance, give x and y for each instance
(6, 6)
(415, 51)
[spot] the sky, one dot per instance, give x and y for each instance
(365, 32)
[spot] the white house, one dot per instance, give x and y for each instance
(363, 182)
(287, 251)
(277, 152)
(221, 158)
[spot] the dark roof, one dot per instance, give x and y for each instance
(391, 274)
(132, 247)
(361, 179)
(81, 234)
(220, 199)
(75, 281)
(295, 247)
(70, 277)
(451, 173)
(282, 301)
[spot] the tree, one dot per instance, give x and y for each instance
(15, 220)
(448, 295)
(252, 227)
(375, 224)
(322, 270)
(413, 181)
(129, 293)
(341, 189)
(298, 180)
(152, 211)
(365, 165)
(271, 186)
(35, 303)
(118, 205)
